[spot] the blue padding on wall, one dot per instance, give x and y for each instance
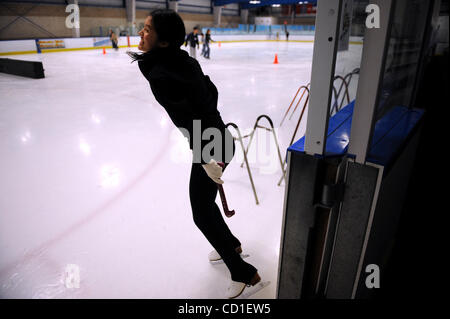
(338, 136)
(389, 135)
(391, 132)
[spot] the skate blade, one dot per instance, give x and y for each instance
(220, 261)
(250, 291)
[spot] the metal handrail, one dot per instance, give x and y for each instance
(240, 137)
(336, 106)
(272, 129)
(336, 93)
(305, 87)
(293, 137)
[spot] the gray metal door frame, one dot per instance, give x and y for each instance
(376, 43)
(326, 40)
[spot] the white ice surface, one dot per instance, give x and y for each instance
(94, 173)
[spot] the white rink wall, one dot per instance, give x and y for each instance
(29, 46)
(17, 46)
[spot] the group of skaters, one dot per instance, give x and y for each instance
(192, 40)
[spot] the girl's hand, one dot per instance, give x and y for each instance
(214, 171)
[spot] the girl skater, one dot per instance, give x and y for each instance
(190, 98)
(206, 44)
(114, 39)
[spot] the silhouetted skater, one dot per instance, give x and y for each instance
(179, 85)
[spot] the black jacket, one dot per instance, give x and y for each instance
(208, 38)
(179, 85)
(192, 39)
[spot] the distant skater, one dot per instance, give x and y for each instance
(114, 40)
(203, 42)
(287, 35)
(206, 44)
(192, 40)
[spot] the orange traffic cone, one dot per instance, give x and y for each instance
(104, 51)
(276, 59)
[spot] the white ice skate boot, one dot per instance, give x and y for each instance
(241, 290)
(214, 257)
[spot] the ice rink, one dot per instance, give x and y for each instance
(94, 175)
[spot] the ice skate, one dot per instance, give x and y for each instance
(240, 290)
(214, 257)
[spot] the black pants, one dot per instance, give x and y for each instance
(208, 218)
(207, 50)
